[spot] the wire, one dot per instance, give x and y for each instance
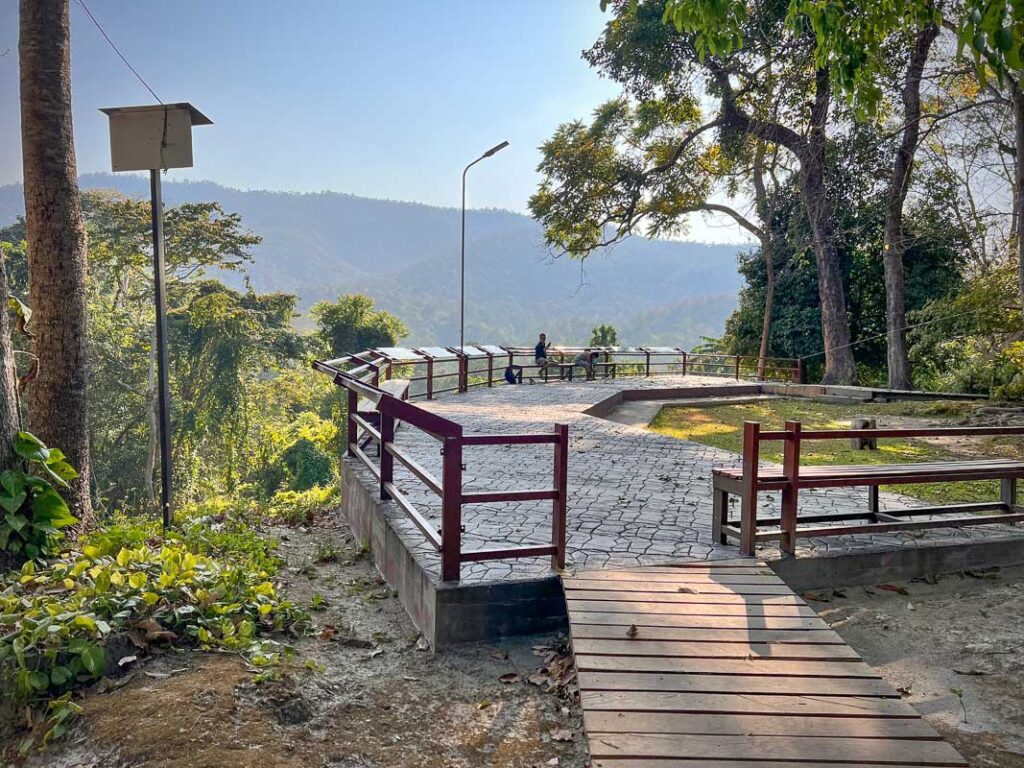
(904, 328)
(117, 51)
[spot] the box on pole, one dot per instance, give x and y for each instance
(154, 138)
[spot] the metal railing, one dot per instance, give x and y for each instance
(376, 420)
(433, 371)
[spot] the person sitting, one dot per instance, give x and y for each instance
(514, 374)
(540, 353)
(586, 360)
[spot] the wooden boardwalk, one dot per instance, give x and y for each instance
(721, 665)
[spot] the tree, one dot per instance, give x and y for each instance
(56, 237)
(351, 324)
(658, 164)
(9, 416)
(604, 335)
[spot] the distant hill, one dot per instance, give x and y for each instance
(406, 256)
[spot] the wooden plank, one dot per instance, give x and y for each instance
(791, 651)
(753, 576)
(695, 634)
(780, 686)
(757, 725)
(733, 704)
(687, 609)
(755, 666)
(708, 588)
(776, 748)
(643, 763)
(650, 619)
(687, 596)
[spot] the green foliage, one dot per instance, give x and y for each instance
(596, 186)
(33, 512)
(59, 622)
(604, 335)
(309, 465)
(969, 342)
(933, 262)
(296, 507)
(993, 31)
(351, 324)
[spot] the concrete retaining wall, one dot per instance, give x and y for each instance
(446, 613)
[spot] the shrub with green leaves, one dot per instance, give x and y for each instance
(33, 511)
(57, 622)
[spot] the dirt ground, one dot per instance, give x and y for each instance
(954, 646)
(363, 692)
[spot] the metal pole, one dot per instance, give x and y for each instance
(163, 385)
(462, 272)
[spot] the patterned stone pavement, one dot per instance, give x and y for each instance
(635, 497)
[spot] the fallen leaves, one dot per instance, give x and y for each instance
(632, 631)
(562, 734)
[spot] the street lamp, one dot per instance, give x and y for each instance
(462, 283)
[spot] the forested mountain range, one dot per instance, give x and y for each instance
(406, 256)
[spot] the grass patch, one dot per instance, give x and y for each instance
(721, 426)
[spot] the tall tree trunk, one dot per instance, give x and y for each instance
(1018, 180)
(894, 244)
(765, 212)
(769, 302)
(835, 324)
(56, 240)
(9, 420)
(810, 151)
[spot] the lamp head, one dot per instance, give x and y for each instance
(495, 150)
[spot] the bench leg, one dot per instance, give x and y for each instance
(873, 499)
(787, 524)
(1008, 492)
(748, 523)
(720, 516)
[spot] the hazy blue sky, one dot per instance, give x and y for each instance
(383, 98)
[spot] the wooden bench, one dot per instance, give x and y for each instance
(750, 479)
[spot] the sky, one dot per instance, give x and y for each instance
(386, 99)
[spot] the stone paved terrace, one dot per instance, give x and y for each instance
(635, 497)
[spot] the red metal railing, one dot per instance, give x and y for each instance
(378, 425)
(433, 371)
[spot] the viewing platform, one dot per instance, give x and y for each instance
(632, 498)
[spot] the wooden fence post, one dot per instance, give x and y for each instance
(647, 363)
(451, 509)
(748, 499)
(430, 378)
(490, 370)
(684, 361)
(791, 471)
(737, 367)
(387, 461)
(560, 504)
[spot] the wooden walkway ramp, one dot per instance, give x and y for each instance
(721, 665)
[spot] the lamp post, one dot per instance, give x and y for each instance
(462, 280)
(154, 138)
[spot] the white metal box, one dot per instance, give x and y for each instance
(152, 137)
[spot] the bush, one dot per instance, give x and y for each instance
(309, 465)
(60, 624)
(33, 512)
(296, 507)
